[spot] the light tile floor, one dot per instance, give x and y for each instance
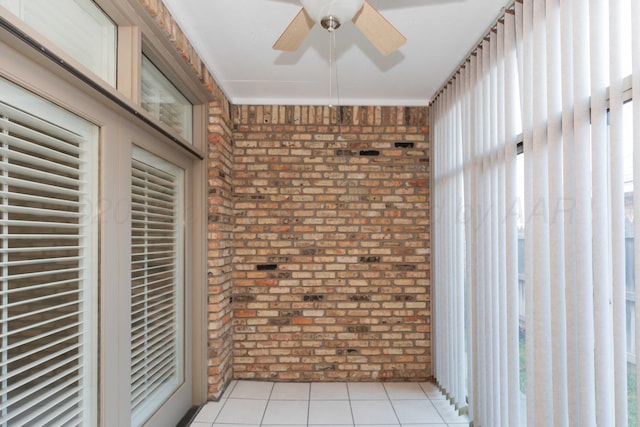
(256, 404)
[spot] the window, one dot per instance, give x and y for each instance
(48, 248)
(78, 27)
(163, 100)
(157, 271)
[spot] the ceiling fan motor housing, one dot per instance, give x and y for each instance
(331, 13)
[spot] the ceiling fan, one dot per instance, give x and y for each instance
(333, 13)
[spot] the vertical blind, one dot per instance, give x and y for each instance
(551, 81)
(157, 260)
(47, 261)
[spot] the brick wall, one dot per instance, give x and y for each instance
(331, 243)
(219, 253)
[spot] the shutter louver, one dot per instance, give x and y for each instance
(156, 285)
(45, 276)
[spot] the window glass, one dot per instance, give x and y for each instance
(78, 27)
(164, 101)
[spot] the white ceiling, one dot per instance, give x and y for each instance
(235, 37)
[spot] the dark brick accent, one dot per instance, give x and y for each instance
(369, 153)
(404, 144)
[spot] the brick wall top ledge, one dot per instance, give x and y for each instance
(362, 117)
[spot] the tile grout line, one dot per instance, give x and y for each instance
(226, 399)
(266, 406)
(434, 405)
(309, 404)
(353, 419)
(391, 403)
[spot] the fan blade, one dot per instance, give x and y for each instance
(378, 30)
(294, 35)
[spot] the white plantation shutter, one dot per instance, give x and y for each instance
(47, 263)
(156, 283)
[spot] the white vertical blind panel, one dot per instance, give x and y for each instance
(526, 54)
(435, 113)
(569, 180)
(511, 130)
(439, 334)
(47, 263)
(156, 283)
(486, 233)
(436, 256)
(459, 363)
(556, 259)
(444, 253)
(501, 214)
(617, 171)
(481, 318)
(539, 336)
(601, 223)
(481, 250)
(493, 215)
(467, 295)
(469, 197)
(453, 271)
(473, 203)
(635, 54)
(583, 236)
